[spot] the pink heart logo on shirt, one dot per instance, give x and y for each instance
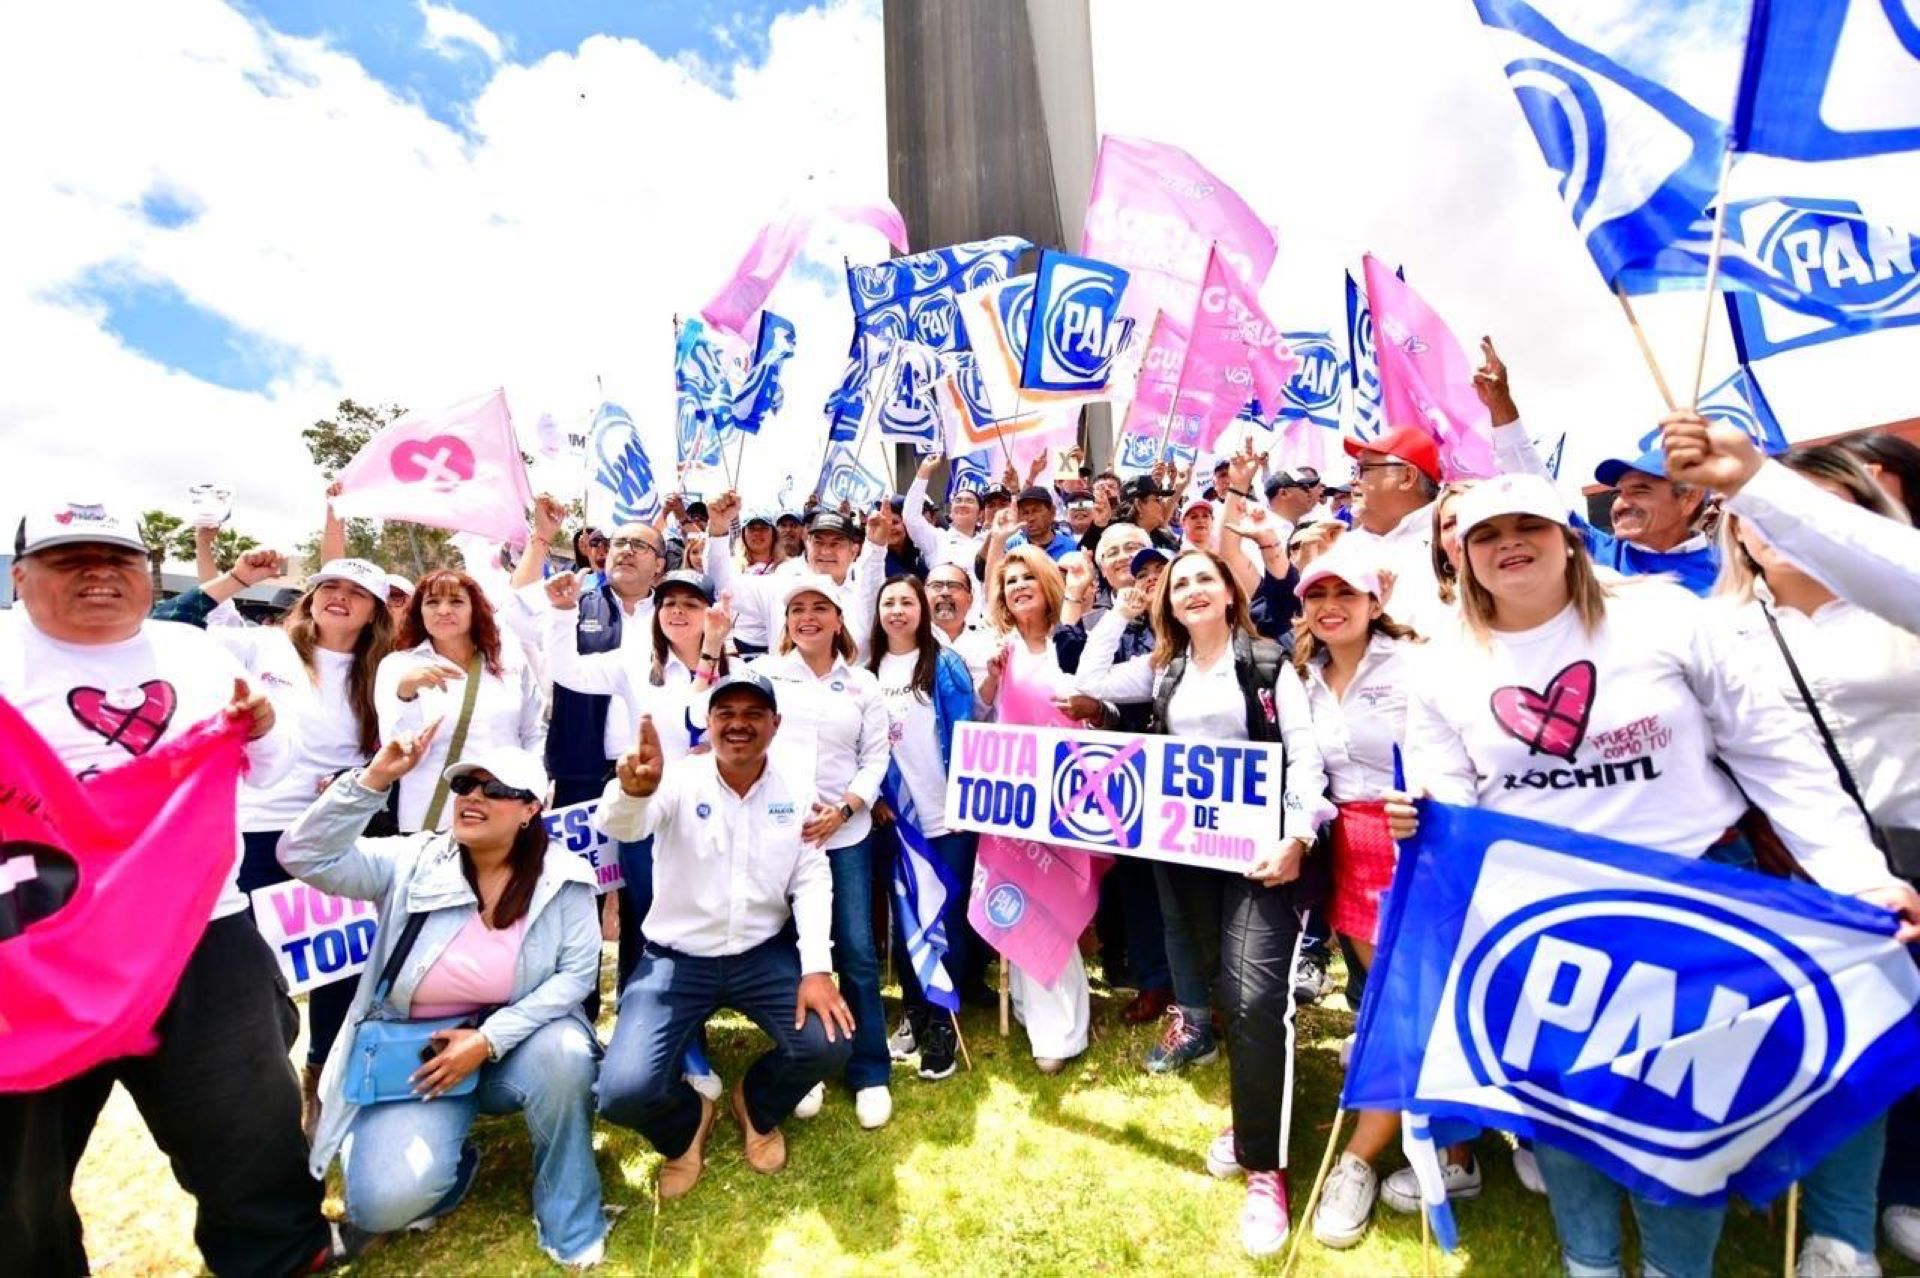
(441, 462)
(133, 719)
(1550, 722)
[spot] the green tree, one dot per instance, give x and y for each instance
(157, 530)
(412, 549)
(228, 545)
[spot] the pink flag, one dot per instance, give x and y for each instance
(146, 849)
(1425, 379)
(1031, 901)
(460, 469)
(732, 308)
(1157, 211)
(1151, 413)
(1235, 354)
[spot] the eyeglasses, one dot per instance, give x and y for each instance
(948, 588)
(597, 541)
(1364, 467)
(466, 783)
(633, 543)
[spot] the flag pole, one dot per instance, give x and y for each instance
(961, 1039)
(1646, 349)
(1006, 1027)
(1793, 1227)
(1713, 275)
(1313, 1195)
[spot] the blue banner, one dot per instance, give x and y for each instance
(620, 487)
(973, 471)
(1363, 373)
(1314, 390)
(844, 478)
(1075, 305)
(1638, 162)
(760, 394)
(1737, 400)
(1690, 1029)
(1830, 80)
(1839, 272)
(903, 399)
(703, 397)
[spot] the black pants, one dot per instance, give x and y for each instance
(222, 1102)
(1246, 936)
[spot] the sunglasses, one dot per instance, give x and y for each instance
(466, 783)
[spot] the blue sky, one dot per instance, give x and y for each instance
(391, 40)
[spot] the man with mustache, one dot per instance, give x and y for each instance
(105, 685)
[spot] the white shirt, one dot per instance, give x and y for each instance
(913, 732)
(1407, 552)
(1640, 710)
(1866, 559)
(938, 546)
(318, 714)
(1357, 732)
(840, 718)
(1199, 708)
(508, 710)
(101, 705)
(756, 600)
(1865, 674)
(725, 865)
(625, 674)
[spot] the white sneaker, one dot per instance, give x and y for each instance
(810, 1103)
(873, 1106)
(1264, 1220)
(1401, 1191)
(708, 1085)
(1822, 1257)
(1901, 1224)
(1527, 1168)
(901, 1043)
(1222, 1162)
(1346, 1203)
(1346, 1050)
(588, 1259)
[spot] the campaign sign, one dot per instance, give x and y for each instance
(317, 938)
(1074, 333)
(1208, 803)
(572, 828)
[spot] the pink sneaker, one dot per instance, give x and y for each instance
(1264, 1220)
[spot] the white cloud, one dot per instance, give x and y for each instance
(451, 33)
(594, 195)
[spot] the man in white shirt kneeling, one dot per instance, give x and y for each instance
(729, 872)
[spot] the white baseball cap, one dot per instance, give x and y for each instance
(73, 523)
(355, 572)
(1510, 495)
(396, 582)
(815, 583)
(518, 768)
(1346, 561)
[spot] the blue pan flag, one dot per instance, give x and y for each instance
(1690, 1029)
(1830, 80)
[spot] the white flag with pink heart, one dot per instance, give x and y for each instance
(459, 469)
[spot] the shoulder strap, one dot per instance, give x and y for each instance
(1163, 695)
(401, 948)
(459, 742)
(1819, 721)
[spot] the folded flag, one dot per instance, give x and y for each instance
(773, 250)
(459, 469)
(1690, 1029)
(1425, 379)
(105, 890)
(620, 486)
(922, 887)
(703, 396)
(1363, 368)
(1234, 354)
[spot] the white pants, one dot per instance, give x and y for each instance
(1056, 1015)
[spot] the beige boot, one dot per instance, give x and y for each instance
(678, 1175)
(766, 1153)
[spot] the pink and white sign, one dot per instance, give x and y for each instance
(458, 469)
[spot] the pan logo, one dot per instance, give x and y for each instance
(1006, 905)
(1826, 249)
(1080, 333)
(1658, 1055)
(1099, 793)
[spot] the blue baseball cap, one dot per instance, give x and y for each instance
(1652, 462)
(1148, 555)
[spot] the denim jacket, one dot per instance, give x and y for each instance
(420, 873)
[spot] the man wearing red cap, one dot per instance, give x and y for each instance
(1398, 476)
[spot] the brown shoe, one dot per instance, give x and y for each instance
(767, 1153)
(678, 1175)
(1147, 1005)
(309, 1101)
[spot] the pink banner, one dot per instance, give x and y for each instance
(1425, 379)
(1235, 354)
(1151, 412)
(732, 308)
(459, 469)
(1158, 211)
(150, 844)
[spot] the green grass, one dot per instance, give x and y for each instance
(997, 1171)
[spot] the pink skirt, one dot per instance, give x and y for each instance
(1363, 861)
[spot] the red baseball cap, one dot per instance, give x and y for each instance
(1409, 444)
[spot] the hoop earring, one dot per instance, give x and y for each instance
(524, 824)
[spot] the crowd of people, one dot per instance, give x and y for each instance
(763, 703)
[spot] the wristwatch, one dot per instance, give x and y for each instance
(493, 1048)
(846, 812)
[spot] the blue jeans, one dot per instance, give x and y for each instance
(956, 852)
(1186, 968)
(1675, 1242)
(669, 998)
(1839, 1198)
(856, 959)
(402, 1158)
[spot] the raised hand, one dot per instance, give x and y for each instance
(563, 591)
(1035, 467)
(717, 625)
(927, 465)
(877, 525)
(1714, 455)
(1490, 384)
(252, 707)
(1131, 602)
(722, 511)
(1243, 465)
(639, 768)
(1078, 568)
(398, 757)
(1005, 523)
(255, 566)
(548, 515)
(436, 674)
(1256, 524)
